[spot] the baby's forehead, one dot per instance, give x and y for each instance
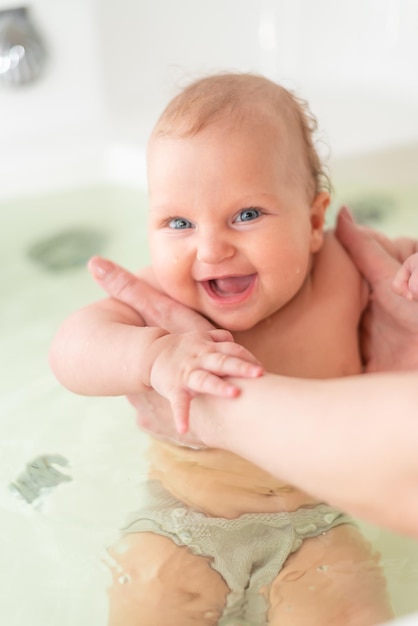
(257, 128)
(189, 118)
(272, 111)
(236, 102)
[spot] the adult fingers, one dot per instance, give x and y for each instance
(156, 308)
(154, 415)
(371, 257)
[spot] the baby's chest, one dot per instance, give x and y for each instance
(323, 344)
(316, 338)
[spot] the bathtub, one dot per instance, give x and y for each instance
(73, 184)
(52, 547)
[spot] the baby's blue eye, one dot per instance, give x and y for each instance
(248, 214)
(179, 223)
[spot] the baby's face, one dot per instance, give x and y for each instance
(231, 227)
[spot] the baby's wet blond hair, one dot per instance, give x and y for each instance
(242, 98)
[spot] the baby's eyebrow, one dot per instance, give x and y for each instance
(166, 209)
(158, 208)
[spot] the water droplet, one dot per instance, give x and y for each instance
(122, 580)
(210, 614)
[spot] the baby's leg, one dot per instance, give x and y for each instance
(332, 580)
(157, 583)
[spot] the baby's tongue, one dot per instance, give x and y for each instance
(231, 285)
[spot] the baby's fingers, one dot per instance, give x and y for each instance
(202, 381)
(225, 343)
(243, 365)
(180, 406)
(405, 282)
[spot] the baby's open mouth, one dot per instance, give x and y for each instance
(229, 286)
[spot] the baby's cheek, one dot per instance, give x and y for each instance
(166, 266)
(178, 285)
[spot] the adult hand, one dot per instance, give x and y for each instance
(153, 412)
(156, 308)
(390, 323)
(154, 416)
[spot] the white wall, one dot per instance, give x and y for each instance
(114, 63)
(356, 62)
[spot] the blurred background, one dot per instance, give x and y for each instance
(113, 64)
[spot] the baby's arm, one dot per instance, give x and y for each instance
(99, 350)
(405, 282)
(185, 364)
(106, 349)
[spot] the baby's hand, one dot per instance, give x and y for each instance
(405, 282)
(196, 362)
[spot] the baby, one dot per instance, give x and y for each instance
(238, 199)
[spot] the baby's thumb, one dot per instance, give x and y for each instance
(219, 335)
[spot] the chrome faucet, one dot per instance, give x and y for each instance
(22, 50)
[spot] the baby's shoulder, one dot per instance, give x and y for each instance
(335, 270)
(332, 246)
(333, 252)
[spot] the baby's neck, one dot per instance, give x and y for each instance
(278, 333)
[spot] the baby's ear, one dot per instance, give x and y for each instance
(317, 216)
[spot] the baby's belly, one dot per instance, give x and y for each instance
(219, 483)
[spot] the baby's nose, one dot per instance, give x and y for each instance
(214, 248)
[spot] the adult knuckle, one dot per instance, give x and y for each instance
(123, 284)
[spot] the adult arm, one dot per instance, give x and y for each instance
(350, 441)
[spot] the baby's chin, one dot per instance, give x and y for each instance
(234, 325)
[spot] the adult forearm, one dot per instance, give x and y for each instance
(320, 436)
